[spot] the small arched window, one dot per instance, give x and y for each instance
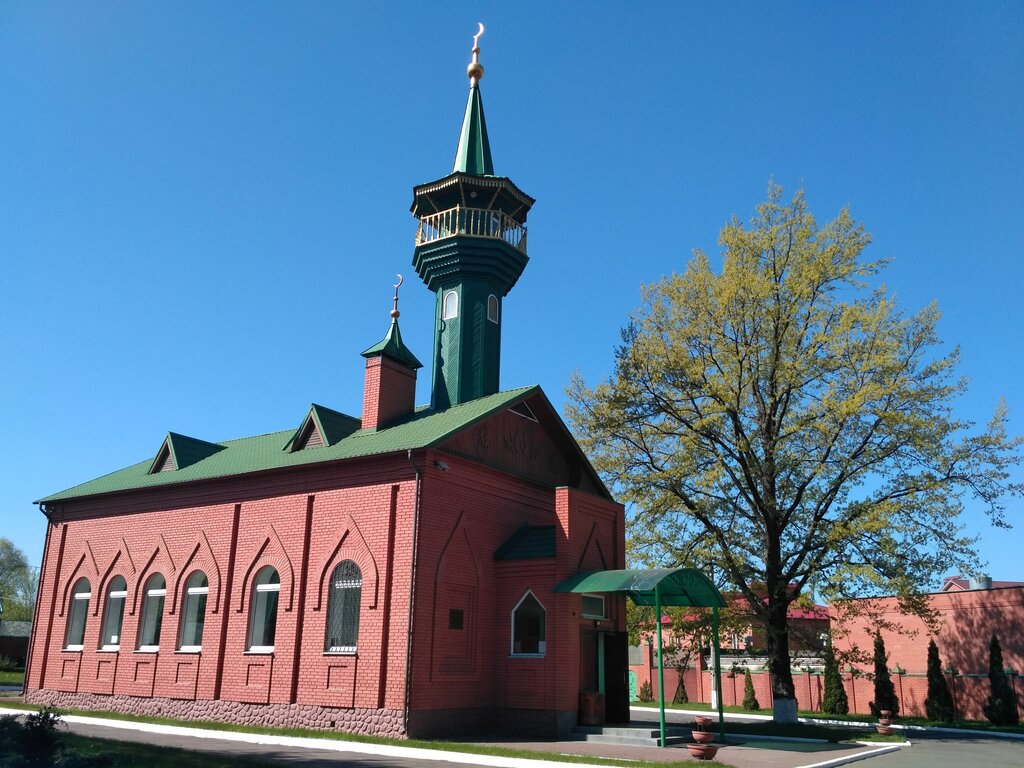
(450, 306)
(152, 613)
(346, 590)
(113, 614)
(193, 613)
(77, 613)
(263, 614)
(492, 308)
(528, 627)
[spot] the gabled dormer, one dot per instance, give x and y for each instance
(180, 451)
(322, 426)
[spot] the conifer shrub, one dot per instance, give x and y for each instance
(681, 696)
(749, 697)
(1001, 707)
(885, 691)
(938, 706)
(646, 693)
(834, 701)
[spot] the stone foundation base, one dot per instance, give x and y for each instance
(371, 722)
(538, 723)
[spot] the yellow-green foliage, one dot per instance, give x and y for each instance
(773, 413)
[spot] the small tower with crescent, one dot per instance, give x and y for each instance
(470, 251)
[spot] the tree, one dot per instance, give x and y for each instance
(749, 697)
(788, 424)
(1001, 706)
(834, 701)
(885, 691)
(17, 583)
(938, 705)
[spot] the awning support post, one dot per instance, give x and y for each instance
(661, 662)
(718, 672)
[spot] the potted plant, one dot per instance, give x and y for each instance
(702, 748)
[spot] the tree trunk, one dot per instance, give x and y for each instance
(783, 692)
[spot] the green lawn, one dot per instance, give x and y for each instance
(12, 677)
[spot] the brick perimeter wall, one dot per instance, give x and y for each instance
(373, 722)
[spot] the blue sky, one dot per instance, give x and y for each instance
(203, 205)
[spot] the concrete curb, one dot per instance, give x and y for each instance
(847, 759)
(333, 745)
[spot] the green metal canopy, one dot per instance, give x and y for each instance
(676, 586)
(660, 587)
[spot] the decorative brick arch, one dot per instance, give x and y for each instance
(351, 546)
(459, 586)
(592, 554)
(200, 559)
(159, 561)
(121, 564)
(270, 552)
(85, 567)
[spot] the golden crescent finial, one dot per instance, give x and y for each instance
(394, 312)
(476, 70)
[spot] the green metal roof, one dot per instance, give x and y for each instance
(392, 346)
(426, 428)
(677, 586)
(527, 543)
(332, 425)
(474, 152)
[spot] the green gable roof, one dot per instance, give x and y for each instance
(184, 451)
(527, 543)
(426, 428)
(332, 425)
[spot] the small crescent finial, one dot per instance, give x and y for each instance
(476, 70)
(394, 312)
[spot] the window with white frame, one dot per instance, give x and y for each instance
(77, 613)
(343, 608)
(450, 306)
(492, 308)
(263, 613)
(592, 607)
(152, 613)
(528, 627)
(113, 614)
(193, 613)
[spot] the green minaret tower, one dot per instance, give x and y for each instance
(470, 250)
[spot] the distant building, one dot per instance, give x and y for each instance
(388, 574)
(970, 611)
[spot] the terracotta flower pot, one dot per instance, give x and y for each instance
(703, 751)
(703, 721)
(703, 737)
(884, 730)
(885, 712)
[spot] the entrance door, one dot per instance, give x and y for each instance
(616, 681)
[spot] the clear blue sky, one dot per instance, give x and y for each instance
(203, 205)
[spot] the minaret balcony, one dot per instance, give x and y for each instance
(473, 222)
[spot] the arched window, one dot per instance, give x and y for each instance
(152, 613)
(77, 612)
(528, 630)
(450, 306)
(113, 614)
(492, 308)
(263, 614)
(346, 589)
(193, 613)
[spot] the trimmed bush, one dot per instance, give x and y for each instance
(749, 697)
(939, 703)
(646, 693)
(885, 691)
(1001, 707)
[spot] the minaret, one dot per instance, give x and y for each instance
(470, 250)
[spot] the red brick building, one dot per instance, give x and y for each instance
(387, 574)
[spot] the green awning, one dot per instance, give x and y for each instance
(678, 586)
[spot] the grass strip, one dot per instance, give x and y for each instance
(12, 677)
(473, 748)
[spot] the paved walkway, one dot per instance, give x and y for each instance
(317, 753)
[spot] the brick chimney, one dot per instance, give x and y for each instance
(389, 391)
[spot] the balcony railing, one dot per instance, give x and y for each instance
(476, 222)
